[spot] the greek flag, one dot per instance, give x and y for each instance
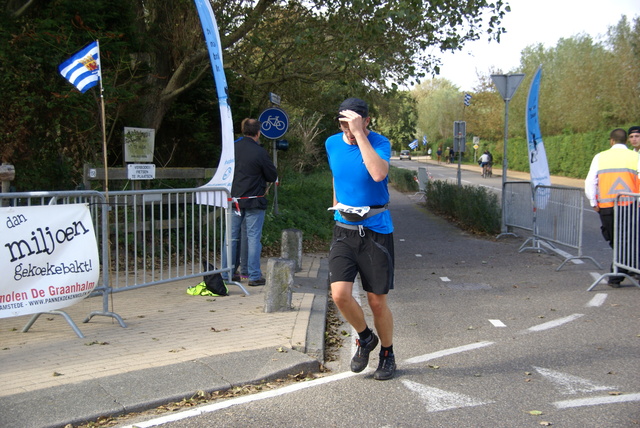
(82, 70)
(467, 99)
(424, 140)
(413, 145)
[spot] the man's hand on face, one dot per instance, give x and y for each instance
(353, 119)
(352, 124)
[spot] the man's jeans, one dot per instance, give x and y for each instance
(253, 219)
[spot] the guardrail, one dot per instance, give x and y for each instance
(147, 237)
(626, 239)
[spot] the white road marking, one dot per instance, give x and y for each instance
(609, 399)
(438, 400)
(445, 352)
(418, 255)
(568, 384)
(444, 279)
(497, 323)
(555, 323)
(209, 408)
(598, 299)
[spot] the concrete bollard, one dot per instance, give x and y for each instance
(291, 247)
(277, 290)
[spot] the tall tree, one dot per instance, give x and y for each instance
(154, 54)
(624, 82)
(396, 119)
(439, 104)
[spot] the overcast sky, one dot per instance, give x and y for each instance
(531, 22)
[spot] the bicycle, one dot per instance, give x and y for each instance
(486, 170)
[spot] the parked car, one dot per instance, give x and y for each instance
(405, 154)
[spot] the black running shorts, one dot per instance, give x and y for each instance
(370, 255)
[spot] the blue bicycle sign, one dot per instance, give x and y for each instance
(274, 123)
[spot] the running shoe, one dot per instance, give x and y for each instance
(360, 360)
(386, 367)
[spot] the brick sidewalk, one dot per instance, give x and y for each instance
(165, 326)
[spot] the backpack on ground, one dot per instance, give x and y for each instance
(213, 285)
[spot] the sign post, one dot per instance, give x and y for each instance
(274, 123)
(507, 85)
(476, 146)
(459, 144)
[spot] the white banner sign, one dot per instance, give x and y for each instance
(48, 258)
(224, 174)
(537, 155)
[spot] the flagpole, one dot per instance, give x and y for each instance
(108, 279)
(104, 130)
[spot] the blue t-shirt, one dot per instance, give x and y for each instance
(353, 183)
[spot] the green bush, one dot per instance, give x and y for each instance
(475, 208)
(403, 179)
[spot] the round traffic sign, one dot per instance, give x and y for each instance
(274, 123)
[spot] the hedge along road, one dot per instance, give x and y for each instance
(484, 336)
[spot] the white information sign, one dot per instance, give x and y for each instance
(139, 144)
(142, 171)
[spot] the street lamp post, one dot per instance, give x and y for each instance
(507, 85)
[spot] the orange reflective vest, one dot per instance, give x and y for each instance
(617, 172)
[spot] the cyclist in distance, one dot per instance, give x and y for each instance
(485, 160)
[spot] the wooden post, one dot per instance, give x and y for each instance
(7, 175)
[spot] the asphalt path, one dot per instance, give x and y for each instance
(450, 174)
(485, 336)
(593, 245)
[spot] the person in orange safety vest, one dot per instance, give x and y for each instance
(612, 171)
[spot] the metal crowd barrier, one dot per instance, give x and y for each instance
(518, 205)
(422, 179)
(148, 237)
(558, 218)
(553, 214)
(626, 239)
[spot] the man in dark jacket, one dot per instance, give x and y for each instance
(253, 169)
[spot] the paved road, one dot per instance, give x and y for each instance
(485, 337)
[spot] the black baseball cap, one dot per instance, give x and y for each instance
(634, 129)
(354, 104)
